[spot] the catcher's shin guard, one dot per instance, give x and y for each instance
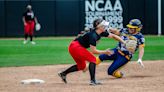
(118, 74)
(98, 61)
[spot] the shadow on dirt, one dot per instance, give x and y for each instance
(138, 76)
(127, 77)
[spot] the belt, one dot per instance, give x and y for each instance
(126, 56)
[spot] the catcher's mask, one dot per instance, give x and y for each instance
(100, 22)
(135, 23)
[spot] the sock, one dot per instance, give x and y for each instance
(71, 69)
(25, 36)
(92, 69)
(31, 37)
(98, 61)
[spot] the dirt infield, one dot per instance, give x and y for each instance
(149, 79)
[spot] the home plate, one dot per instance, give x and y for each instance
(32, 81)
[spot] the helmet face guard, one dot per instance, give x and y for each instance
(135, 23)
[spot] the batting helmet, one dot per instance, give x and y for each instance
(135, 23)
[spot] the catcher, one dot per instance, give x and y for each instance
(122, 54)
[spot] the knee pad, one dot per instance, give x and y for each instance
(98, 61)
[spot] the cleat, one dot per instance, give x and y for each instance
(118, 74)
(63, 77)
(122, 74)
(94, 83)
(32, 42)
(25, 41)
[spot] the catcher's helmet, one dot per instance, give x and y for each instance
(135, 23)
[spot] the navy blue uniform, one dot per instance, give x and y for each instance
(121, 55)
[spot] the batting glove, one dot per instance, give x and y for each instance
(140, 63)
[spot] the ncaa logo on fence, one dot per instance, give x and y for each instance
(103, 9)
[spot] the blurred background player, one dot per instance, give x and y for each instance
(121, 54)
(29, 21)
(79, 52)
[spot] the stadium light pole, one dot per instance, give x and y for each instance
(159, 17)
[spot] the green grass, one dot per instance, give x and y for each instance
(54, 51)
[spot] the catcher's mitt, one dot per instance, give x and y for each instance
(131, 45)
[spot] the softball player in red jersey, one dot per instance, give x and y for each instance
(80, 54)
(29, 21)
